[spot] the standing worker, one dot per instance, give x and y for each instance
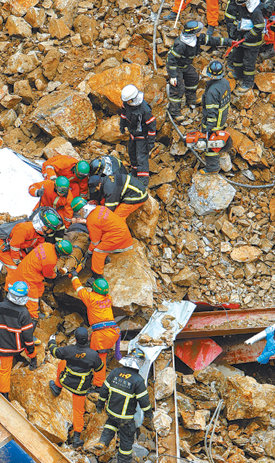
(183, 77)
(215, 107)
(137, 116)
(24, 237)
(55, 194)
(75, 373)
(108, 233)
(121, 391)
(250, 27)
(212, 13)
(16, 332)
(35, 267)
(122, 194)
(100, 315)
(107, 165)
(75, 171)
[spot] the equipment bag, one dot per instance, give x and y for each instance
(6, 228)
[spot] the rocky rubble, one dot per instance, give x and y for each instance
(63, 65)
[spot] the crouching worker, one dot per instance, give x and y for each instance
(122, 390)
(16, 332)
(105, 333)
(75, 373)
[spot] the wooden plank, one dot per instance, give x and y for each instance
(5, 436)
(28, 437)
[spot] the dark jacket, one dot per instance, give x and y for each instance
(121, 188)
(81, 362)
(139, 120)
(231, 13)
(112, 165)
(181, 55)
(215, 104)
(16, 329)
(124, 388)
(253, 37)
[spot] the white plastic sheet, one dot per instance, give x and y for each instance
(15, 178)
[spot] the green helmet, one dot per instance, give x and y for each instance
(82, 169)
(77, 203)
(50, 220)
(100, 286)
(62, 185)
(63, 247)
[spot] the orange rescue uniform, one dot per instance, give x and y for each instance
(62, 204)
(22, 239)
(212, 12)
(38, 264)
(99, 309)
(62, 165)
(177, 3)
(108, 233)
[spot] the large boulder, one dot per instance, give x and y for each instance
(66, 113)
(210, 193)
(52, 416)
(249, 150)
(21, 63)
(107, 85)
(130, 278)
(20, 7)
(143, 222)
(108, 130)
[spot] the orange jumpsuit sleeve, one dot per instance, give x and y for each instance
(67, 212)
(48, 169)
(49, 260)
(34, 187)
(95, 233)
(87, 297)
(18, 237)
(83, 188)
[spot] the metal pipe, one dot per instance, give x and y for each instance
(155, 35)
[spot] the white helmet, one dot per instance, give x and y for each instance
(87, 209)
(131, 95)
(134, 359)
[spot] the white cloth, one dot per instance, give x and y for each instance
(251, 5)
(190, 40)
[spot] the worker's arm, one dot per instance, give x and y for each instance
(214, 41)
(27, 333)
(36, 188)
(257, 29)
(142, 397)
(18, 237)
(111, 193)
(174, 54)
(95, 236)
(67, 212)
(123, 120)
(151, 124)
(212, 111)
(85, 295)
(48, 270)
(104, 394)
(83, 188)
(57, 352)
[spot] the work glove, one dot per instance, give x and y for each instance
(39, 192)
(73, 273)
(52, 338)
(33, 364)
(90, 281)
(173, 81)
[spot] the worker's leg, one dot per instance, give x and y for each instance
(78, 412)
(108, 433)
(142, 155)
(212, 12)
(249, 65)
(5, 373)
(132, 155)
(98, 261)
(177, 3)
(212, 163)
(175, 95)
(127, 431)
(124, 210)
(237, 61)
(60, 368)
(102, 341)
(191, 80)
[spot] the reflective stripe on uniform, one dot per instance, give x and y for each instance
(109, 426)
(106, 251)
(142, 394)
(125, 452)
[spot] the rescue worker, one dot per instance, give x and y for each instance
(75, 171)
(215, 107)
(75, 373)
(230, 16)
(212, 13)
(106, 165)
(121, 193)
(24, 237)
(137, 116)
(121, 391)
(35, 267)
(100, 315)
(183, 77)
(250, 27)
(108, 233)
(16, 332)
(55, 194)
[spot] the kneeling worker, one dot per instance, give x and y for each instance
(75, 373)
(100, 315)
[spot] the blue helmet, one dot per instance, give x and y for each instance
(18, 293)
(215, 70)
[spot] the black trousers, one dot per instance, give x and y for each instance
(187, 82)
(244, 62)
(126, 430)
(139, 156)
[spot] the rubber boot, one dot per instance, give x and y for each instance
(56, 390)
(212, 165)
(174, 110)
(191, 99)
(36, 341)
(77, 442)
